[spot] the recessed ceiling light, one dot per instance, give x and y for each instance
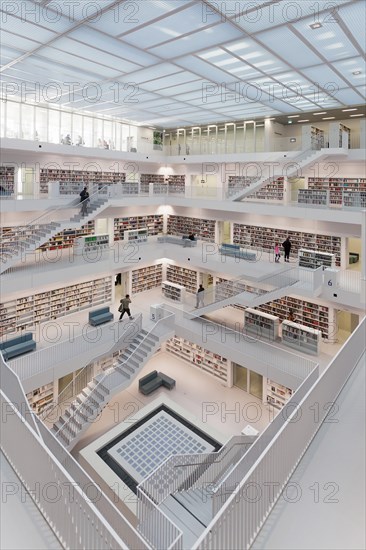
(316, 25)
(293, 116)
(329, 118)
(356, 115)
(322, 113)
(289, 121)
(356, 72)
(304, 120)
(346, 110)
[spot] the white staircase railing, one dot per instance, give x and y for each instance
(42, 228)
(236, 291)
(89, 404)
(292, 168)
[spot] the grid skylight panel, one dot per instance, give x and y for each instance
(354, 17)
(73, 61)
(298, 55)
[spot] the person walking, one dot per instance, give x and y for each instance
(200, 297)
(125, 307)
(84, 199)
(287, 248)
(277, 253)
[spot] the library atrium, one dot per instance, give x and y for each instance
(183, 274)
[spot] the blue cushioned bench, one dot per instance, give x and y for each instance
(18, 346)
(235, 250)
(100, 316)
(153, 381)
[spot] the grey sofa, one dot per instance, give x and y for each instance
(17, 346)
(174, 239)
(153, 381)
(100, 316)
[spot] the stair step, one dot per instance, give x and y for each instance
(121, 370)
(198, 502)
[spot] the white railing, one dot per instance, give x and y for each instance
(181, 472)
(350, 281)
(85, 346)
(109, 379)
(227, 292)
(310, 279)
(251, 346)
(156, 527)
(276, 464)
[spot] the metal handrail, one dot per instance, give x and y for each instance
(59, 399)
(108, 372)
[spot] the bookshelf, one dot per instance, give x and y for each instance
(203, 229)
(153, 223)
(265, 237)
(277, 395)
(183, 276)
(338, 187)
(272, 191)
(91, 243)
(40, 398)
(66, 238)
(29, 311)
(354, 199)
(173, 291)
(146, 179)
(300, 337)
(7, 178)
(263, 325)
(313, 259)
(315, 197)
(226, 288)
(136, 235)
(307, 313)
(343, 128)
(72, 181)
(176, 184)
(211, 363)
(147, 278)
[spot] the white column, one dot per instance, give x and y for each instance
(363, 134)
(333, 326)
(229, 374)
(344, 253)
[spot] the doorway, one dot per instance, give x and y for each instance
(347, 322)
(354, 250)
(248, 380)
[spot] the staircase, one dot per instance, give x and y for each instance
(296, 165)
(43, 228)
(234, 292)
(185, 488)
(91, 401)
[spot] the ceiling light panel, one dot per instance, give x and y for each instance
(95, 55)
(73, 61)
(113, 46)
(193, 42)
(124, 17)
(329, 40)
(349, 66)
(22, 43)
(168, 81)
(354, 16)
(349, 97)
(170, 27)
(362, 90)
(299, 55)
(205, 70)
(279, 14)
(152, 73)
(181, 88)
(23, 27)
(325, 77)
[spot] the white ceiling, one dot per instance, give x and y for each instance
(179, 62)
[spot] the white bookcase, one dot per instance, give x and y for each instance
(146, 278)
(312, 259)
(354, 199)
(91, 243)
(136, 235)
(300, 337)
(212, 363)
(188, 277)
(277, 395)
(173, 291)
(261, 324)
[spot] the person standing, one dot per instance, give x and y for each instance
(200, 297)
(125, 307)
(84, 199)
(287, 248)
(277, 253)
